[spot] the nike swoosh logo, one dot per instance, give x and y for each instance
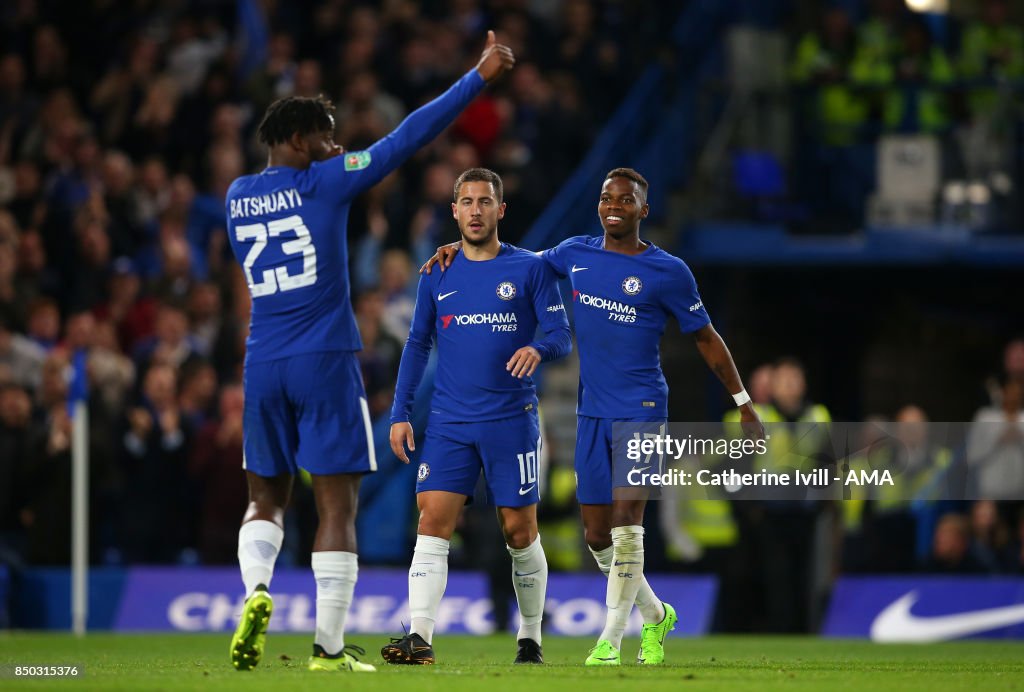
(619, 564)
(578, 269)
(442, 296)
(526, 574)
(523, 491)
(897, 624)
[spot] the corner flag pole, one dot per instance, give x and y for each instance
(78, 410)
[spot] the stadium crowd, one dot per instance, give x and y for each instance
(872, 68)
(121, 127)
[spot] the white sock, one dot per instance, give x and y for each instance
(603, 558)
(530, 578)
(624, 579)
(335, 572)
(428, 577)
(647, 602)
(259, 542)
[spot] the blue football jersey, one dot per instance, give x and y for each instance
(620, 306)
(480, 313)
(288, 229)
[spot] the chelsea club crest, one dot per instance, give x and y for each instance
(506, 290)
(423, 472)
(632, 285)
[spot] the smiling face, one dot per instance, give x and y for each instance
(477, 211)
(622, 206)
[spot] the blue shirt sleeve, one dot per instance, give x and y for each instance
(416, 352)
(550, 312)
(680, 297)
(354, 172)
(556, 258)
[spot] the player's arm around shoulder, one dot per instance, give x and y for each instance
(557, 257)
(549, 308)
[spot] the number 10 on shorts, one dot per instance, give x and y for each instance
(527, 468)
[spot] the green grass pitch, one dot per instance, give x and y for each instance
(200, 662)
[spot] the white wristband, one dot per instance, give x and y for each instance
(741, 397)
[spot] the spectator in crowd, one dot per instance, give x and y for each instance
(823, 59)
(991, 62)
(17, 435)
(8, 261)
(21, 358)
(157, 518)
(132, 313)
(26, 205)
(35, 277)
(783, 532)
(213, 330)
(43, 323)
(197, 393)
(918, 464)
(47, 511)
(124, 223)
(991, 51)
(760, 384)
(995, 447)
(215, 467)
(1013, 369)
(922, 72)
(18, 105)
(990, 537)
(170, 344)
(275, 78)
(878, 36)
(381, 351)
(111, 374)
(1014, 554)
(951, 548)
(396, 274)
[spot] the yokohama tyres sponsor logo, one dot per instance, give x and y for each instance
(479, 318)
(617, 312)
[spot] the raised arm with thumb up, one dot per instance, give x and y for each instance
(496, 59)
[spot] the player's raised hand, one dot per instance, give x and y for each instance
(523, 362)
(496, 60)
(402, 437)
(444, 256)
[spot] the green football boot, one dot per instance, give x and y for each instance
(652, 638)
(344, 661)
(604, 654)
(251, 633)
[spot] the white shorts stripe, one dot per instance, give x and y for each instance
(369, 432)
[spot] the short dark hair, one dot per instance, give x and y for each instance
(629, 174)
(291, 115)
(479, 175)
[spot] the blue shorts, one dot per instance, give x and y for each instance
(594, 454)
(506, 450)
(307, 411)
